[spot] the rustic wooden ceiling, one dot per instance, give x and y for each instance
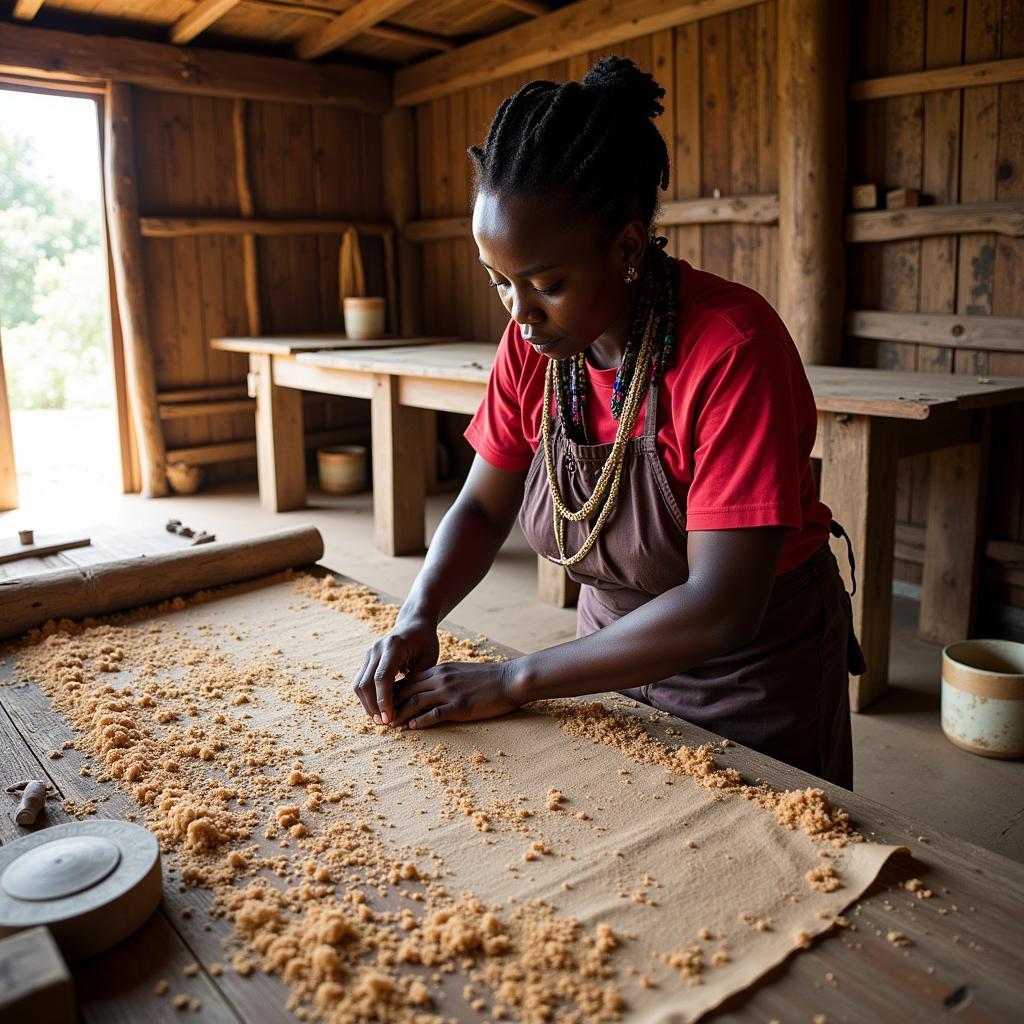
(388, 33)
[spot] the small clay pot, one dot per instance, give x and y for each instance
(364, 317)
(184, 478)
(342, 468)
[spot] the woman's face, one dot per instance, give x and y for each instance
(558, 279)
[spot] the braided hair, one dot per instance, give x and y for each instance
(597, 139)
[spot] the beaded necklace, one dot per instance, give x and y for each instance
(652, 319)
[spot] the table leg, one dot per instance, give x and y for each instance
(554, 586)
(858, 482)
(280, 450)
(949, 588)
(399, 480)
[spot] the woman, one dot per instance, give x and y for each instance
(652, 425)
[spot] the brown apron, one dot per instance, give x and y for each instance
(786, 692)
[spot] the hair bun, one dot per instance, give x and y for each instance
(638, 88)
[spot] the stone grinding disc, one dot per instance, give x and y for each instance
(92, 883)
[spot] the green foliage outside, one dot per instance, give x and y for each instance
(53, 314)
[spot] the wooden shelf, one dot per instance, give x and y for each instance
(1005, 218)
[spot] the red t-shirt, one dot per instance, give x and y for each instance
(736, 417)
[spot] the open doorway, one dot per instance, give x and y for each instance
(55, 308)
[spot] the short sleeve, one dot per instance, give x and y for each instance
(747, 444)
(499, 430)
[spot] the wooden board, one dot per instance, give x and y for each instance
(289, 344)
(15, 551)
(460, 361)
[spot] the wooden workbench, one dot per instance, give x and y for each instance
(964, 952)
(867, 421)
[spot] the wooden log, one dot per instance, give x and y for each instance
(345, 27)
(200, 18)
(181, 227)
(1001, 218)
(902, 198)
(864, 197)
(8, 469)
(246, 207)
(399, 142)
(812, 166)
(963, 76)
(121, 194)
(574, 29)
(48, 54)
(1004, 333)
(28, 601)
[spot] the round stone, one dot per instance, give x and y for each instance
(61, 868)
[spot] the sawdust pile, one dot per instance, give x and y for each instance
(357, 928)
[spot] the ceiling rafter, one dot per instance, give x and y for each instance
(353, 22)
(532, 7)
(26, 10)
(200, 18)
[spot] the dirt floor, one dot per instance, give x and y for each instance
(901, 756)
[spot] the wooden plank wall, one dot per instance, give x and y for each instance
(961, 145)
(303, 162)
(720, 124)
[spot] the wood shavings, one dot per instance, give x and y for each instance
(897, 938)
(823, 878)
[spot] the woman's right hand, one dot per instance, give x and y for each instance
(411, 646)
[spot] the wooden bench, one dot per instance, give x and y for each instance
(867, 420)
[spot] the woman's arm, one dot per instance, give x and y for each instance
(718, 608)
(461, 552)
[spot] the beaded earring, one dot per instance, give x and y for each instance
(630, 275)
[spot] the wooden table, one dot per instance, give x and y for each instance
(867, 421)
(964, 953)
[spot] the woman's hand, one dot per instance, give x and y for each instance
(456, 692)
(409, 647)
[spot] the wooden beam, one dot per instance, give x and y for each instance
(206, 393)
(1000, 218)
(200, 18)
(397, 33)
(250, 258)
(572, 30)
(180, 227)
(48, 54)
(993, 72)
(398, 134)
(26, 10)
(532, 7)
(812, 172)
(346, 26)
(754, 209)
(989, 333)
(231, 451)
(121, 193)
(211, 407)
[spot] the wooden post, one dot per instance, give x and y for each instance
(126, 249)
(8, 470)
(250, 266)
(812, 173)
(399, 148)
(952, 552)
(280, 450)
(399, 490)
(858, 482)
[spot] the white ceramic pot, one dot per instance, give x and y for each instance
(983, 697)
(364, 317)
(342, 468)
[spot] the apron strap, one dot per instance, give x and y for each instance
(651, 416)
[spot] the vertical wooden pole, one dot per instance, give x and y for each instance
(952, 553)
(8, 470)
(812, 72)
(250, 266)
(126, 249)
(399, 489)
(858, 482)
(280, 450)
(399, 144)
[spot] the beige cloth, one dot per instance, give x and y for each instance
(742, 861)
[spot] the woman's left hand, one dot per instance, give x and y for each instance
(455, 691)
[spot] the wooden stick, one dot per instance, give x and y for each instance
(250, 259)
(122, 222)
(29, 601)
(1001, 218)
(42, 547)
(812, 155)
(180, 227)
(964, 76)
